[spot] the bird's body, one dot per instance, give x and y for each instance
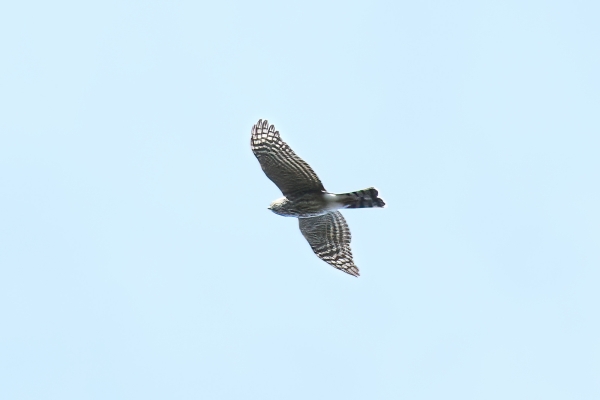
(305, 198)
(304, 205)
(314, 204)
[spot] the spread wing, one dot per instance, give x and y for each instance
(329, 237)
(289, 172)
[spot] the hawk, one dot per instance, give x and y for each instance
(305, 198)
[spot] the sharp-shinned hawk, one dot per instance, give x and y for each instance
(305, 198)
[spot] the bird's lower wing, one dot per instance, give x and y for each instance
(329, 237)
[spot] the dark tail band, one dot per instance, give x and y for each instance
(366, 198)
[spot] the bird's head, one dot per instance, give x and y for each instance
(278, 206)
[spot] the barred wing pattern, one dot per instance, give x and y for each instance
(289, 172)
(329, 237)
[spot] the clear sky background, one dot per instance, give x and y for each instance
(138, 259)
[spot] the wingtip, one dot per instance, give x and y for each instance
(263, 124)
(260, 123)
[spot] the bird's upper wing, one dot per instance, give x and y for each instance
(329, 237)
(281, 165)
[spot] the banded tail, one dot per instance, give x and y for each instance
(366, 198)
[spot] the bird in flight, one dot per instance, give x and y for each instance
(305, 198)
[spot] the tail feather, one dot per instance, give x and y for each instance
(366, 198)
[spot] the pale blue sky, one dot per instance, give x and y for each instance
(139, 260)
